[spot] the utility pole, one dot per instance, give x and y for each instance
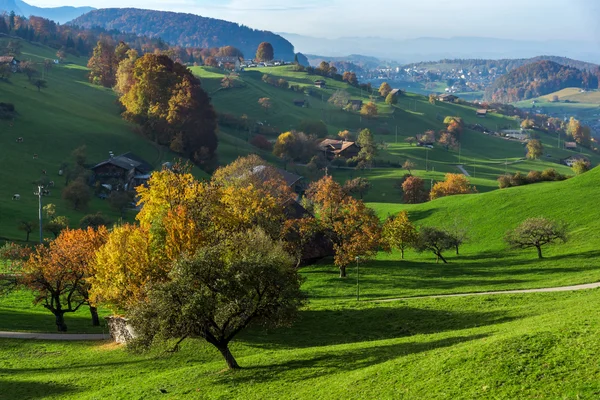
(427, 161)
(396, 133)
(39, 194)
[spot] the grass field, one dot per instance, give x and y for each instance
(572, 102)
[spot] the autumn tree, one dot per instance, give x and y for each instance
(359, 186)
(434, 240)
(452, 185)
(448, 141)
(352, 227)
(58, 274)
(527, 124)
(77, 193)
(294, 146)
(124, 78)
(56, 225)
(369, 110)
(414, 190)
(399, 233)
(265, 103)
(409, 166)
(345, 135)
(168, 102)
(102, 64)
(229, 51)
(536, 233)
(350, 77)
(385, 89)
(410, 140)
(265, 52)
(217, 292)
(581, 167)
(28, 68)
(535, 149)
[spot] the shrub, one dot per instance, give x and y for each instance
(261, 142)
(534, 177)
(518, 179)
(339, 162)
(504, 181)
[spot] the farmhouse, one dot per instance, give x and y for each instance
(482, 113)
(448, 98)
(320, 84)
(11, 61)
(396, 92)
(339, 148)
(571, 145)
(236, 62)
(127, 171)
(570, 161)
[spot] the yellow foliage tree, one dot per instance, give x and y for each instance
(398, 232)
(452, 185)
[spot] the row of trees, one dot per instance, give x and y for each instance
(414, 191)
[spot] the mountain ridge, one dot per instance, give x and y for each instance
(57, 14)
(186, 30)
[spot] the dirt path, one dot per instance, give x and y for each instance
(463, 170)
(543, 290)
(54, 336)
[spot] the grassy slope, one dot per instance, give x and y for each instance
(584, 106)
(511, 346)
(53, 122)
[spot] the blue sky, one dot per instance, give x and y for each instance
(514, 19)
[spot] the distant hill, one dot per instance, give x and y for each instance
(186, 30)
(538, 79)
(57, 14)
(363, 62)
(504, 65)
(431, 48)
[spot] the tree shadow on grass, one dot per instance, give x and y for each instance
(36, 321)
(333, 360)
(374, 322)
(21, 390)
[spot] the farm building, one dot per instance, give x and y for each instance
(236, 62)
(339, 148)
(570, 161)
(448, 98)
(300, 103)
(127, 171)
(355, 105)
(571, 145)
(482, 113)
(320, 84)
(11, 61)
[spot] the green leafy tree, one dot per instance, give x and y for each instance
(399, 233)
(581, 167)
(219, 291)
(40, 84)
(77, 193)
(359, 186)
(434, 240)
(391, 99)
(536, 233)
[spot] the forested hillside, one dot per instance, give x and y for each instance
(506, 65)
(538, 79)
(186, 30)
(57, 14)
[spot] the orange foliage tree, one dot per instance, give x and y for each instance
(353, 228)
(59, 274)
(454, 184)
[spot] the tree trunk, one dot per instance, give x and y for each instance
(229, 359)
(457, 250)
(95, 318)
(440, 257)
(28, 236)
(539, 251)
(60, 322)
(343, 272)
(402, 254)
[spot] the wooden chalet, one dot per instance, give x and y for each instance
(11, 61)
(320, 84)
(447, 98)
(482, 113)
(127, 171)
(339, 148)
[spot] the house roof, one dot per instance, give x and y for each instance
(289, 178)
(227, 59)
(577, 157)
(7, 59)
(482, 111)
(570, 144)
(335, 145)
(395, 92)
(447, 96)
(127, 161)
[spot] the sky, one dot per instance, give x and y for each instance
(398, 19)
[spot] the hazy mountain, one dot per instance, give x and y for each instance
(57, 14)
(357, 59)
(186, 30)
(431, 49)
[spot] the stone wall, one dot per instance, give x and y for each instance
(120, 331)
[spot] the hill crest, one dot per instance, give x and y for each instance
(186, 30)
(57, 14)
